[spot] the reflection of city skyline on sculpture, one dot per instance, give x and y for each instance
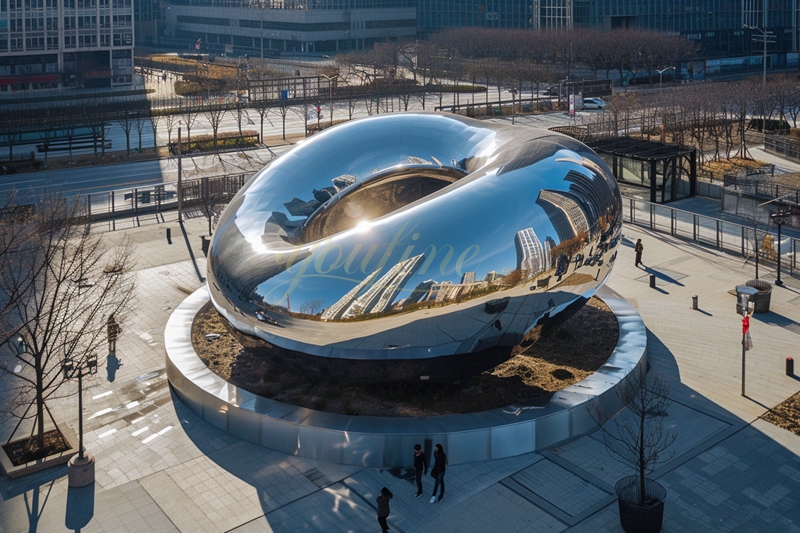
(380, 230)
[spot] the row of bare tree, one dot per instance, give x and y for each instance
(519, 56)
(714, 117)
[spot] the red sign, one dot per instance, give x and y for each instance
(745, 325)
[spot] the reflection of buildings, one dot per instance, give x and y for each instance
(335, 311)
(467, 278)
(532, 257)
(564, 213)
(420, 292)
(595, 194)
(549, 244)
(379, 297)
(493, 276)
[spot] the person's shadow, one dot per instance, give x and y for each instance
(112, 365)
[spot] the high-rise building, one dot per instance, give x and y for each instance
(262, 28)
(380, 296)
(51, 44)
(336, 310)
(565, 213)
(531, 255)
(716, 26)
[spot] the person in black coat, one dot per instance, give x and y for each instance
(383, 509)
(420, 467)
(437, 472)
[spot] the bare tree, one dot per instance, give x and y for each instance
(59, 283)
(155, 119)
(262, 108)
(126, 123)
(215, 114)
(139, 124)
(215, 196)
(190, 115)
(638, 436)
(171, 121)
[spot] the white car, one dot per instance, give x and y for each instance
(593, 103)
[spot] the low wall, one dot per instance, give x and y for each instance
(386, 441)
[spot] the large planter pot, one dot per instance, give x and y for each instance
(637, 518)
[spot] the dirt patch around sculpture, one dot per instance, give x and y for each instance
(568, 354)
(786, 414)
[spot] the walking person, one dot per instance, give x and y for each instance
(383, 509)
(437, 472)
(113, 330)
(639, 248)
(420, 467)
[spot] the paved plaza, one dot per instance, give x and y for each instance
(160, 468)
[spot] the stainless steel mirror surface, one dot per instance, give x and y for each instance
(414, 237)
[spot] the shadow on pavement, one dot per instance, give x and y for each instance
(80, 507)
(191, 253)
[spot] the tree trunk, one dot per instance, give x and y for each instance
(39, 405)
(642, 463)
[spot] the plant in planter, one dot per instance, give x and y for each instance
(59, 282)
(638, 437)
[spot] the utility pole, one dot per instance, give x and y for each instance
(180, 184)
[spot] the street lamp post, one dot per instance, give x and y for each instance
(745, 295)
(661, 74)
(513, 102)
(330, 95)
(81, 469)
(766, 36)
(779, 219)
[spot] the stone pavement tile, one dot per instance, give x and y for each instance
(741, 484)
(124, 508)
(606, 521)
(333, 509)
(272, 475)
(176, 504)
(589, 453)
(560, 488)
(494, 509)
(461, 483)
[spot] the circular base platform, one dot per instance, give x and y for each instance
(388, 441)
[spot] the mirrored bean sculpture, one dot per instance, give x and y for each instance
(414, 247)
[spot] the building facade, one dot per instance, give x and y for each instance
(268, 28)
(717, 26)
(50, 44)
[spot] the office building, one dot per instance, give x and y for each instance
(262, 28)
(51, 44)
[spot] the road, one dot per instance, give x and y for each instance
(102, 178)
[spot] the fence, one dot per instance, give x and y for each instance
(724, 236)
(208, 192)
(212, 192)
(782, 145)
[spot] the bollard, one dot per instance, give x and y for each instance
(789, 366)
(169, 235)
(694, 302)
(652, 281)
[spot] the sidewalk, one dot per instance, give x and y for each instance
(160, 468)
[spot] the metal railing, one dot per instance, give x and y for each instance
(162, 197)
(725, 236)
(722, 235)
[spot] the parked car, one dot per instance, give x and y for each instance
(593, 103)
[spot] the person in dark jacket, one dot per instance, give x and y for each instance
(639, 248)
(383, 509)
(437, 472)
(420, 467)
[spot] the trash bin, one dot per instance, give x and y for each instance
(762, 297)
